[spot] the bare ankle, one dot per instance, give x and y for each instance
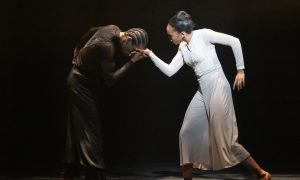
(259, 171)
(187, 171)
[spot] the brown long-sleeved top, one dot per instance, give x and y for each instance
(99, 50)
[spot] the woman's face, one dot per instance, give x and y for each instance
(174, 36)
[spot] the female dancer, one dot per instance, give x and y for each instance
(208, 137)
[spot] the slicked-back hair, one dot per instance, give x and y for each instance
(182, 21)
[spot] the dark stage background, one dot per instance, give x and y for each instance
(145, 109)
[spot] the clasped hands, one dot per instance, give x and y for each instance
(139, 54)
(142, 53)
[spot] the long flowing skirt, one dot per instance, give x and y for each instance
(209, 135)
(84, 142)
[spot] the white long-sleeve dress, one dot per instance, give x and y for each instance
(209, 135)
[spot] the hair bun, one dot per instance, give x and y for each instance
(182, 15)
(182, 21)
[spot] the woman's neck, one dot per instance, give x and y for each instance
(188, 37)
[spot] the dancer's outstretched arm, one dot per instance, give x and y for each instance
(167, 69)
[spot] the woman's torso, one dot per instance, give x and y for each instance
(201, 55)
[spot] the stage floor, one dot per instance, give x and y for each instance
(170, 172)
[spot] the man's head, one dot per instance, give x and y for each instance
(132, 39)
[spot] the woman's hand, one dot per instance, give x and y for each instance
(239, 81)
(183, 44)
